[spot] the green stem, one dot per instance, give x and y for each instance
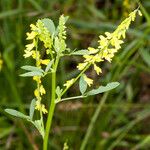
(93, 120)
(76, 78)
(50, 112)
(69, 98)
(52, 106)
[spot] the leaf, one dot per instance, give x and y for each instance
(145, 143)
(38, 125)
(58, 93)
(32, 108)
(146, 56)
(32, 68)
(102, 89)
(49, 65)
(82, 85)
(6, 131)
(31, 74)
(66, 18)
(16, 113)
(49, 24)
(80, 52)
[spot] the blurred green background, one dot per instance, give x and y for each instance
(123, 123)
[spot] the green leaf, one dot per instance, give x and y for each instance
(31, 74)
(32, 68)
(6, 131)
(145, 143)
(38, 125)
(16, 113)
(49, 24)
(145, 55)
(48, 67)
(58, 92)
(82, 85)
(102, 89)
(32, 108)
(80, 52)
(66, 18)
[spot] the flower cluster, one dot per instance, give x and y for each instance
(53, 41)
(108, 45)
(1, 62)
(59, 42)
(39, 33)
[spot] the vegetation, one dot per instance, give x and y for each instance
(50, 60)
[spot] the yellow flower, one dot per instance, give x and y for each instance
(37, 94)
(27, 53)
(88, 80)
(41, 107)
(92, 50)
(37, 79)
(139, 12)
(45, 61)
(109, 35)
(36, 54)
(42, 90)
(69, 83)
(88, 57)
(44, 110)
(31, 36)
(81, 66)
(33, 27)
(103, 42)
(29, 47)
(97, 69)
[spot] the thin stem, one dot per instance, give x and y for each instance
(93, 120)
(76, 78)
(69, 98)
(52, 106)
(50, 112)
